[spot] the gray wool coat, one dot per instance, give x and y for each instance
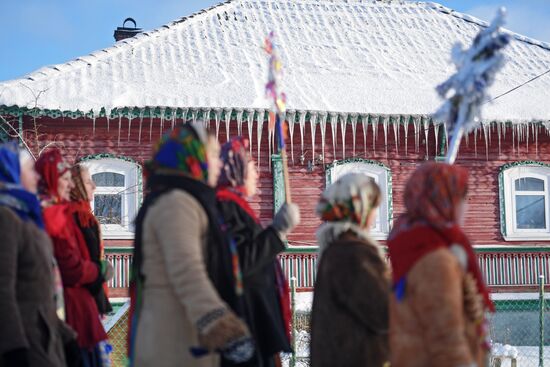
(28, 317)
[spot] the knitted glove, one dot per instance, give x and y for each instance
(222, 331)
(107, 270)
(16, 358)
(286, 219)
(239, 350)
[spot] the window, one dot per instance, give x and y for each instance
(524, 201)
(382, 176)
(117, 195)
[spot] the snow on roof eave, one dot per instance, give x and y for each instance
(482, 23)
(160, 111)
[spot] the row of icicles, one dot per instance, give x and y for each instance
(337, 124)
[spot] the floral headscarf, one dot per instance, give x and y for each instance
(50, 166)
(12, 194)
(345, 206)
(235, 155)
(182, 151)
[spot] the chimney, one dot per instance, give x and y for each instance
(125, 32)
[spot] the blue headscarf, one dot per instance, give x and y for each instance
(12, 195)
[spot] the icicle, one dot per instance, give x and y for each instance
(374, 122)
(426, 124)
(194, 114)
(385, 122)
(537, 141)
(486, 133)
(513, 140)
(174, 120)
(499, 132)
(270, 134)
(527, 137)
(217, 118)
(364, 125)
(343, 126)
(302, 122)
(333, 126)
(108, 123)
(475, 142)
(416, 122)
(151, 125)
(119, 128)
(250, 119)
(227, 119)
(184, 116)
(394, 120)
(436, 133)
(323, 123)
(290, 119)
(141, 112)
(162, 110)
(240, 122)
(93, 125)
(354, 130)
(313, 127)
(259, 127)
(130, 118)
(406, 128)
(206, 118)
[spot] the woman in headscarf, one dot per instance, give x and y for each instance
(76, 268)
(81, 195)
(349, 321)
(439, 300)
(30, 331)
(186, 286)
(265, 287)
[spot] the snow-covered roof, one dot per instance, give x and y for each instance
(348, 56)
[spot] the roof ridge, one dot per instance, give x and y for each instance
(471, 19)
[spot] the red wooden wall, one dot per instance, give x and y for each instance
(77, 138)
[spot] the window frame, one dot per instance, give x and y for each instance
(130, 202)
(508, 175)
(383, 177)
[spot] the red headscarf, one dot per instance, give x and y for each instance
(432, 196)
(51, 166)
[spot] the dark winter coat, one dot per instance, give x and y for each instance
(28, 317)
(258, 249)
(349, 321)
(93, 242)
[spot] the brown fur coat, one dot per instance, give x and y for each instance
(349, 325)
(435, 323)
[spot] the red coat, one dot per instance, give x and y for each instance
(76, 270)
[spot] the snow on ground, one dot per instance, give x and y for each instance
(303, 302)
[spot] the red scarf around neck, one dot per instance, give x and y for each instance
(412, 244)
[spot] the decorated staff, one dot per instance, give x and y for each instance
(278, 107)
(466, 90)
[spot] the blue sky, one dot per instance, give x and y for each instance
(35, 33)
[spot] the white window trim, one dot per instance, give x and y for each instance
(130, 204)
(382, 176)
(507, 197)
